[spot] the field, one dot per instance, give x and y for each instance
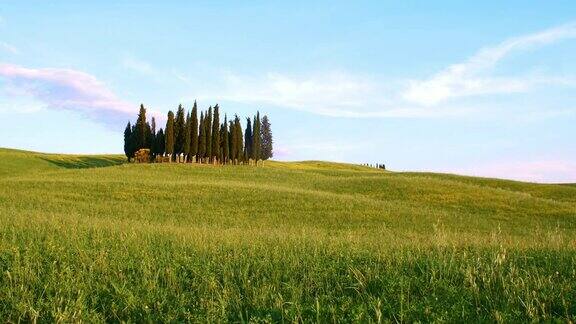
(90, 238)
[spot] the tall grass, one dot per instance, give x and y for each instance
(308, 241)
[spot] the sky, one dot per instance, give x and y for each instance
(484, 88)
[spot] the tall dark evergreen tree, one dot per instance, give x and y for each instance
(152, 140)
(160, 143)
(179, 131)
(256, 140)
(134, 140)
(238, 138)
(141, 129)
(232, 141)
(170, 135)
(194, 132)
(266, 150)
(187, 137)
(248, 139)
(208, 130)
(225, 144)
(216, 134)
(148, 136)
(221, 145)
(202, 138)
(128, 142)
(153, 126)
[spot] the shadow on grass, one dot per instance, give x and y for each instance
(84, 162)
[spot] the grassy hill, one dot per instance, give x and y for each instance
(90, 238)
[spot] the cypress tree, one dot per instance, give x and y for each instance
(248, 139)
(133, 141)
(187, 137)
(221, 157)
(201, 138)
(194, 132)
(216, 134)
(160, 143)
(170, 135)
(152, 140)
(148, 143)
(238, 139)
(208, 130)
(232, 141)
(266, 151)
(225, 144)
(141, 128)
(128, 142)
(153, 126)
(256, 140)
(179, 131)
(148, 136)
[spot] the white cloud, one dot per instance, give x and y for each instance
(335, 94)
(181, 77)
(536, 116)
(472, 76)
(9, 48)
(135, 64)
(342, 94)
(20, 105)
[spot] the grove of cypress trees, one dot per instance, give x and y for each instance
(201, 139)
(256, 141)
(216, 134)
(266, 151)
(187, 138)
(208, 130)
(248, 139)
(194, 132)
(179, 131)
(128, 142)
(170, 135)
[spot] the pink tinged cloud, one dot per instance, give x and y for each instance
(281, 153)
(70, 90)
(544, 171)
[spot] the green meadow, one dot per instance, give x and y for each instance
(91, 238)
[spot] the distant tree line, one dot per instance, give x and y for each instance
(381, 166)
(189, 139)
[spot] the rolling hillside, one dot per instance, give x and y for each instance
(91, 238)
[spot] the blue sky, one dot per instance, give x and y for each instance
(481, 88)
